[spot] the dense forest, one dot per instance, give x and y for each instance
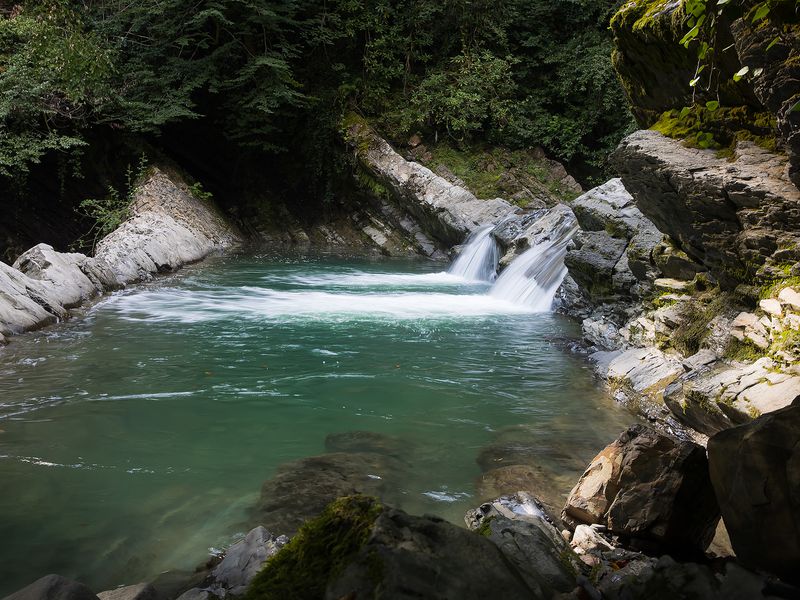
(223, 84)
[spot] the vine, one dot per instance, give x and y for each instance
(702, 18)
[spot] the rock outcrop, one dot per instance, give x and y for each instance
(447, 213)
(755, 470)
(650, 488)
(168, 228)
(739, 219)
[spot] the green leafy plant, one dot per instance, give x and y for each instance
(109, 212)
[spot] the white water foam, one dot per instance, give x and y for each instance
(478, 260)
(187, 306)
(534, 277)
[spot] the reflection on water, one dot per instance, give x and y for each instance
(136, 439)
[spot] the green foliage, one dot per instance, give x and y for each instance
(111, 211)
(198, 191)
(471, 94)
(318, 553)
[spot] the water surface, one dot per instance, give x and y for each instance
(135, 440)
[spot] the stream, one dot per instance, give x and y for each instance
(135, 439)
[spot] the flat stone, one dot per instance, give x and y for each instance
(671, 285)
(744, 319)
(790, 297)
(771, 307)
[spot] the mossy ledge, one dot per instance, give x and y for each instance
(318, 553)
(720, 129)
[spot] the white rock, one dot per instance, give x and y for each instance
(744, 319)
(791, 297)
(771, 307)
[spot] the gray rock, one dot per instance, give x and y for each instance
(140, 591)
(53, 587)
(409, 557)
(195, 594)
(610, 208)
(591, 263)
(674, 263)
(243, 560)
(446, 212)
(168, 228)
(731, 217)
(651, 488)
(755, 470)
(719, 395)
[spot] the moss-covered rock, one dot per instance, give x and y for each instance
(318, 553)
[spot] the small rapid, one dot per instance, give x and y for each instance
(478, 259)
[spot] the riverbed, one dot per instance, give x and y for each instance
(135, 439)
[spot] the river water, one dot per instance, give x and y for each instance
(135, 439)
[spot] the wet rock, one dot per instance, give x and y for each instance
(424, 557)
(667, 578)
(651, 488)
(755, 470)
(514, 478)
(140, 591)
(526, 536)
(53, 587)
(301, 489)
(591, 262)
(366, 441)
(242, 561)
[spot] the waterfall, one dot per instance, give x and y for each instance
(534, 277)
(479, 256)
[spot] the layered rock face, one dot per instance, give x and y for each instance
(739, 219)
(168, 228)
(446, 212)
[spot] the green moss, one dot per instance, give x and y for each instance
(719, 129)
(485, 528)
(319, 552)
(742, 351)
(495, 172)
(647, 15)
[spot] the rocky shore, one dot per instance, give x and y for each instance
(168, 228)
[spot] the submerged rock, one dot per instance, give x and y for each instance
(53, 587)
(650, 488)
(755, 470)
(301, 489)
(366, 441)
(139, 591)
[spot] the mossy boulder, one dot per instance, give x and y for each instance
(358, 548)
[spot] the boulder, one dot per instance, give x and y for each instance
(650, 488)
(592, 260)
(241, 563)
(755, 470)
(733, 217)
(140, 591)
(301, 489)
(526, 536)
(53, 587)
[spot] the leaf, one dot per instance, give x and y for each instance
(685, 111)
(796, 107)
(712, 105)
(773, 42)
(722, 2)
(761, 12)
(694, 81)
(690, 35)
(741, 73)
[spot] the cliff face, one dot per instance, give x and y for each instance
(655, 71)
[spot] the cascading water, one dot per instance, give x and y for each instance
(479, 257)
(535, 276)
